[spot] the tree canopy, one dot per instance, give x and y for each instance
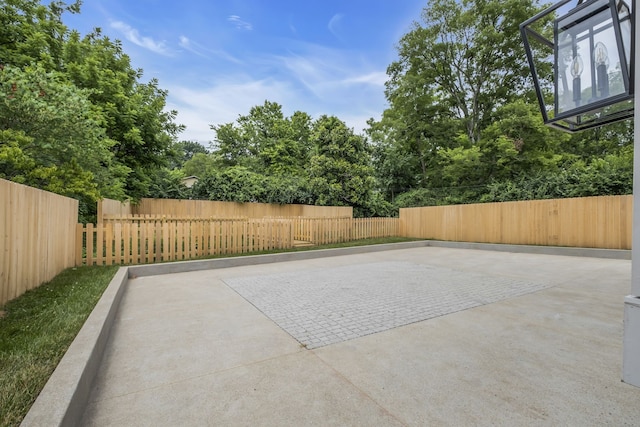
(462, 121)
(462, 124)
(74, 107)
(267, 157)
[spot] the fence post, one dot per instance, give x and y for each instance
(79, 244)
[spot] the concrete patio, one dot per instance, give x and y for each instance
(405, 337)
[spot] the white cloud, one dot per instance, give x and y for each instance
(239, 23)
(200, 50)
(375, 78)
(222, 103)
(185, 43)
(317, 80)
(334, 23)
(331, 74)
(133, 36)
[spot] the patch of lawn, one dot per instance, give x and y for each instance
(361, 242)
(351, 243)
(36, 330)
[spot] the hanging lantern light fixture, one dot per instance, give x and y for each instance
(581, 63)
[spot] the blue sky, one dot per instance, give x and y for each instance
(218, 58)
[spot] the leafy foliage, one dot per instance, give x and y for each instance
(183, 151)
(462, 125)
(265, 141)
(340, 174)
(33, 32)
(77, 120)
(51, 137)
(239, 184)
(611, 175)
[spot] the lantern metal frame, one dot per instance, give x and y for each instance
(595, 112)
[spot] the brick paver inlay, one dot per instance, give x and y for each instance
(326, 306)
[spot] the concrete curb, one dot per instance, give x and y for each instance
(211, 264)
(532, 249)
(62, 401)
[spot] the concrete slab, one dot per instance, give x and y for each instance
(514, 362)
(441, 336)
(188, 349)
(175, 327)
(294, 389)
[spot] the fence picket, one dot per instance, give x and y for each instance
(99, 245)
(79, 244)
(108, 228)
(89, 244)
(135, 241)
(126, 237)
(117, 238)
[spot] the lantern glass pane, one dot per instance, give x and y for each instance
(588, 63)
(624, 15)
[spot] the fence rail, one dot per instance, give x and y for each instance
(133, 239)
(150, 241)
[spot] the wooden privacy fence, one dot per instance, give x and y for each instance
(588, 222)
(150, 240)
(210, 208)
(138, 239)
(36, 237)
(112, 208)
(320, 231)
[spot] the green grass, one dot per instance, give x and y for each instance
(362, 242)
(36, 330)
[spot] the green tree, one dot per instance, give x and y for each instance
(234, 184)
(394, 169)
(611, 175)
(134, 112)
(340, 172)
(461, 110)
(516, 143)
(202, 164)
(52, 136)
(183, 151)
(469, 53)
(33, 32)
(167, 184)
(265, 141)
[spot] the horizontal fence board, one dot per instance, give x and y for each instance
(590, 222)
(215, 209)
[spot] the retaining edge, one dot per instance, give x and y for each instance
(62, 401)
